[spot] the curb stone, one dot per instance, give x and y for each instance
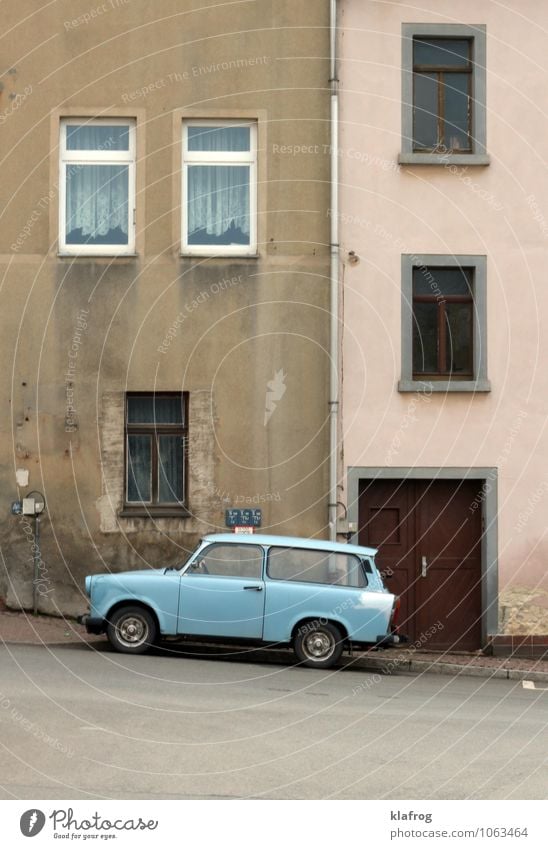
(453, 669)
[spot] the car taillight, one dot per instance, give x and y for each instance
(395, 615)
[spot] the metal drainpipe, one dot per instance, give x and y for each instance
(334, 284)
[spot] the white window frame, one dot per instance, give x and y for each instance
(97, 157)
(221, 158)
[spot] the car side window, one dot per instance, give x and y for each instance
(316, 567)
(229, 561)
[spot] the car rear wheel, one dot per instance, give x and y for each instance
(132, 630)
(318, 645)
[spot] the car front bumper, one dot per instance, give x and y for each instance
(92, 624)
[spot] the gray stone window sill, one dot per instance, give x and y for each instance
(429, 386)
(87, 257)
(221, 256)
(446, 159)
(153, 512)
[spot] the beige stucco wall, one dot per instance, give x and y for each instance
(499, 211)
(242, 320)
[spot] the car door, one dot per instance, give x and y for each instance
(222, 592)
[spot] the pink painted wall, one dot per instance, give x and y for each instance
(500, 211)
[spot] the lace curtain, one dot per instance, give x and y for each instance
(97, 195)
(218, 195)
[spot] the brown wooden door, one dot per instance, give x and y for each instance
(429, 538)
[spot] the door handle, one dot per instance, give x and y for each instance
(423, 566)
(257, 587)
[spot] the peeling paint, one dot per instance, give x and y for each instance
(523, 610)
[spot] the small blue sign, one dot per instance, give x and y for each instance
(246, 517)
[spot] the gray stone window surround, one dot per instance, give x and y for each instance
(205, 512)
(479, 156)
(480, 383)
(489, 507)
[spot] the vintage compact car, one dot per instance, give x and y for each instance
(318, 597)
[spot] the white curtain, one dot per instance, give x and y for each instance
(97, 137)
(97, 201)
(219, 138)
(218, 204)
(218, 195)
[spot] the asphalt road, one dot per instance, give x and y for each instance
(83, 722)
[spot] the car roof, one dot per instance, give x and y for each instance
(292, 542)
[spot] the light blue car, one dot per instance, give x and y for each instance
(319, 597)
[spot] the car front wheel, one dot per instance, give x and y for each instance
(132, 630)
(318, 645)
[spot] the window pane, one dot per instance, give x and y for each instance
(97, 137)
(459, 338)
(231, 561)
(425, 338)
(170, 468)
(219, 138)
(139, 468)
(442, 281)
(97, 204)
(345, 570)
(155, 409)
(218, 205)
(457, 111)
(441, 52)
(318, 567)
(425, 112)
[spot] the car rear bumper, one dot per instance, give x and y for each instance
(390, 640)
(92, 624)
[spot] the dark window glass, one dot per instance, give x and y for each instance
(150, 409)
(425, 338)
(155, 449)
(170, 468)
(459, 338)
(139, 468)
(442, 281)
(442, 322)
(442, 52)
(442, 92)
(426, 111)
(457, 109)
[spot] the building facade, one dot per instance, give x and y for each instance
(165, 280)
(443, 244)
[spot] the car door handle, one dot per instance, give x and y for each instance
(424, 566)
(257, 587)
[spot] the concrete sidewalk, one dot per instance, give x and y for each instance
(26, 629)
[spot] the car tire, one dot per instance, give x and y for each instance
(132, 630)
(318, 645)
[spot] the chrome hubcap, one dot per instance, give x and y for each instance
(319, 645)
(132, 631)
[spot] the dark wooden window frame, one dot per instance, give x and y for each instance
(441, 300)
(155, 508)
(443, 71)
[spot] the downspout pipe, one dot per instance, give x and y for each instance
(334, 278)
